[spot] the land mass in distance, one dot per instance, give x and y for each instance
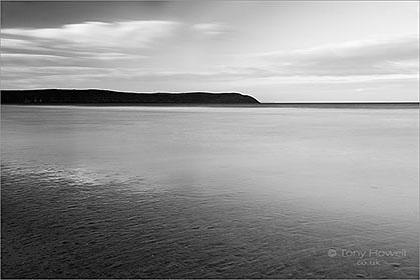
(81, 96)
(98, 97)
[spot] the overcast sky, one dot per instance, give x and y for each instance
(275, 51)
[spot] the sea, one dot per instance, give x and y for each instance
(209, 192)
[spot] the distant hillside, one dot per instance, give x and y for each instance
(69, 96)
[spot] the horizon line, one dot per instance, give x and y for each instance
(219, 92)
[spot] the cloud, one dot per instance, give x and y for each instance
(118, 47)
(97, 51)
(98, 34)
(395, 58)
(375, 57)
(211, 28)
(85, 44)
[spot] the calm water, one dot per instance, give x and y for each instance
(159, 192)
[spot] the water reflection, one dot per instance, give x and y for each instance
(207, 192)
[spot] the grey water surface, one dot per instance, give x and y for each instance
(207, 192)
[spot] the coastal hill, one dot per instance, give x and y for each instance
(80, 96)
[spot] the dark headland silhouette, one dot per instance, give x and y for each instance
(82, 96)
(110, 98)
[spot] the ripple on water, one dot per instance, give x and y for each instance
(75, 223)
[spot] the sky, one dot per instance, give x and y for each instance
(276, 51)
